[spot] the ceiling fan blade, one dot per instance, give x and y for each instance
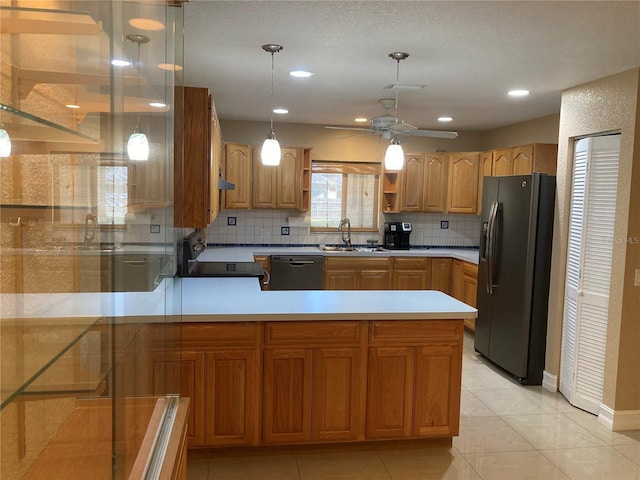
(432, 133)
(349, 128)
(404, 126)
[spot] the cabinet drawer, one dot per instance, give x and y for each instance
(229, 334)
(357, 263)
(314, 333)
(409, 331)
(470, 269)
(410, 263)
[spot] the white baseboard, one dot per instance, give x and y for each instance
(549, 381)
(619, 420)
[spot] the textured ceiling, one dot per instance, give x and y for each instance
(468, 54)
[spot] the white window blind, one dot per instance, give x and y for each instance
(113, 196)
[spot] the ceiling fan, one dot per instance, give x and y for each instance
(387, 125)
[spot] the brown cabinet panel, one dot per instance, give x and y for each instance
(412, 183)
(437, 391)
(357, 273)
(201, 334)
(336, 409)
(374, 280)
(486, 170)
(340, 279)
(522, 160)
(264, 184)
(462, 188)
(411, 273)
(435, 182)
(390, 392)
(238, 171)
(289, 180)
(232, 408)
(287, 395)
(502, 164)
(413, 332)
(265, 261)
(315, 333)
(441, 274)
(192, 384)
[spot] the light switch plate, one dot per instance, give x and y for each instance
(154, 228)
(637, 281)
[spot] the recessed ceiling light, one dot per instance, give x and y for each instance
(72, 105)
(170, 66)
(445, 119)
(157, 104)
(300, 74)
(146, 24)
(361, 119)
(518, 93)
(117, 62)
(280, 111)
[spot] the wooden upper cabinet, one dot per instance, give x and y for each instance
(502, 164)
(424, 182)
(289, 179)
(238, 172)
(526, 159)
(412, 183)
(462, 188)
(194, 187)
(435, 182)
(264, 184)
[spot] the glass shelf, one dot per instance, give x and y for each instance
(37, 20)
(57, 358)
(26, 127)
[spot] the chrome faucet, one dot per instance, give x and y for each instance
(346, 236)
(90, 228)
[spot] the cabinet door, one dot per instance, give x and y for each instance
(441, 271)
(238, 172)
(192, 383)
(435, 182)
(462, 188)
(390, 392)
(336, 398)
(486, 170)
(340, 279)
(287, 395)
(411, 273)
(470, 290)
(412, 183)
(264, 184)
(374, 280)
(437, 391)
(232, 385)
(502, 164)
(217, 150)
(265, 261)
(457, 280)
(288, 180)
(522, 160)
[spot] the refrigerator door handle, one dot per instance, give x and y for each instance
(491, 246)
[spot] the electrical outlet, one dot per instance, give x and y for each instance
(637, 281)
(444, 224)
(153, 228)
(231, 220)
(284, 230)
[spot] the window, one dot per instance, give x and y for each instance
(112, 194)
(341, 190)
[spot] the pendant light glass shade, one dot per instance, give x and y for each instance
(5, 143)
(138, 146)
(270, 154)
(394, 157)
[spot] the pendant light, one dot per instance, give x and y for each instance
(270, 154)
(394, 157)
(138, 144)
(5, 142)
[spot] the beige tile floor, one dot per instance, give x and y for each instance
(507, 432)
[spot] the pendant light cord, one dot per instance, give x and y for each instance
(272, 104)
(397, 85)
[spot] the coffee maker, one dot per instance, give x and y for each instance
(396, 235)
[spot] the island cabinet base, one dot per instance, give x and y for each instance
(313, 382)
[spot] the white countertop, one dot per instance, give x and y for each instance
(245, 254)
(240, 299)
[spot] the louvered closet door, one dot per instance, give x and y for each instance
(593, 204)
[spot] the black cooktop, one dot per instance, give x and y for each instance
(227, 269)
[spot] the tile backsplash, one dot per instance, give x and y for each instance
(269, 227)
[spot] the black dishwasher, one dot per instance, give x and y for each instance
(296, 272)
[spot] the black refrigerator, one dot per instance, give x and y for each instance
(513, 273)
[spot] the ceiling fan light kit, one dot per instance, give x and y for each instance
(271, 153)
(394, 156)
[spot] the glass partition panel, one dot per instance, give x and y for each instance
(89, 333)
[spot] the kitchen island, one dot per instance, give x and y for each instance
(309, 367)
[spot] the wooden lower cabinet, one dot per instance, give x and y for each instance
(411, 273)
(321, 381)
(357, 273)
(441, 273)
(465, 286)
